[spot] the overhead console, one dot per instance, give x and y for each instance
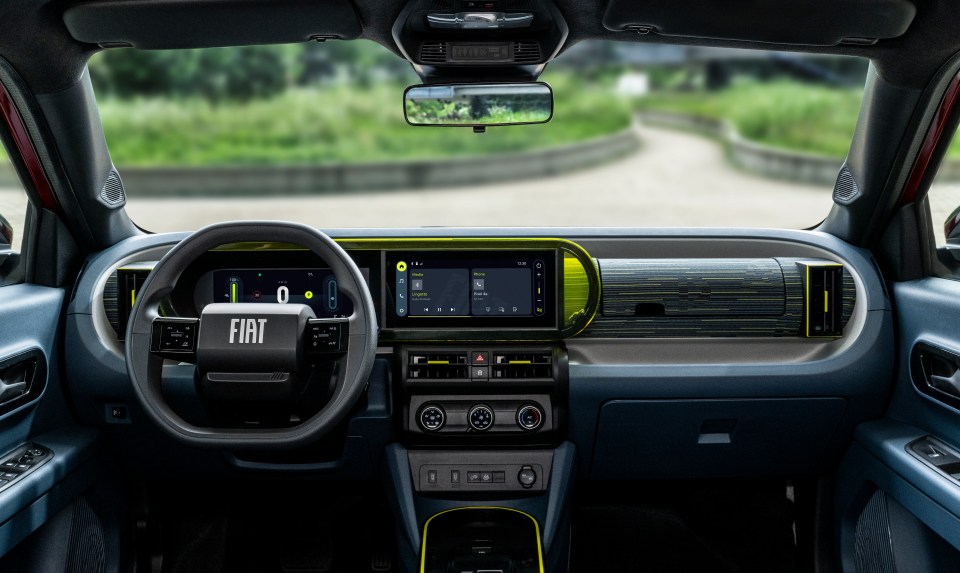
(481, 38)
(806, 22)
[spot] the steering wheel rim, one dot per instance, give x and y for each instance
(144, 367)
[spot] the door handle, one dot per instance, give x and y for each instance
(949, 384)
(15, 380)
(936, 372)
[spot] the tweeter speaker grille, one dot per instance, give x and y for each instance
(874, 550)
(846, 190)
(112, 192)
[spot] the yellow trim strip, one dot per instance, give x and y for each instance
(520, 362)
(438, 362)
(426, 526)
(133, 298)
(233, 292)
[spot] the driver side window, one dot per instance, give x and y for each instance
(13, 209)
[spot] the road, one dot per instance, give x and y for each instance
(675, 179)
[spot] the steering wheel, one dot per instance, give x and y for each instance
(251, 345)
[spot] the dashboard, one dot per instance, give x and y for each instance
(620, 342)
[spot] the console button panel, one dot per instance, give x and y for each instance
(480, 472)
(483, 392)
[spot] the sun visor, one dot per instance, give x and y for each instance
(163, 24)
(804, 22)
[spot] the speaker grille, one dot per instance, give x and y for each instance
(845, 191)
(874, 550)
(86, 554)
(112, 191)
(433, 52)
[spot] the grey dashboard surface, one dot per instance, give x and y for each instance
(853, 371)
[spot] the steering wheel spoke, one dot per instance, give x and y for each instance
(175, 338)
(326, 339)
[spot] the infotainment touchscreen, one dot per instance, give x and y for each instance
(480, 288)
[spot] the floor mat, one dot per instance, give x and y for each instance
(272, 528)
(670, 528)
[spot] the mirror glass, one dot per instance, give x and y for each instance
(478, 104)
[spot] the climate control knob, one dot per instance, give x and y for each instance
(529, 417)
(432, 417)
(480, 417)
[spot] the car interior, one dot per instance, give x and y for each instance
(480, 399)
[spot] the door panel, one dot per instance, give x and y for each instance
(35, 486)
(906, 495)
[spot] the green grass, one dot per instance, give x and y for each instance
(790, 115)
(333, 125)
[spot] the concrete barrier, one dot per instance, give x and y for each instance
(345, 178)
(756, 157)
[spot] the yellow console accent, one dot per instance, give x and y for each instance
(426, 526)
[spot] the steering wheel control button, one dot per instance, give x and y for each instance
(527, 477)
(529, 417)
(480, 372)
(480, 417)
(432, 417)
(325, 336)
(174, 338)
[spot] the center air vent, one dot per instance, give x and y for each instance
(443, 366)
(433, 52)
(526, 52)
(522, 365)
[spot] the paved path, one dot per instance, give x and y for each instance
(676, 179)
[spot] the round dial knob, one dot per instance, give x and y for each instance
(529, 417)
(480, 417)
(527, 477)
(432, 417)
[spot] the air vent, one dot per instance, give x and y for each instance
(433, 52)
(823, 299)
(526, 52)
(522, 365)
(438, 366)
(112, 191)
(439, 5)
(519, 5)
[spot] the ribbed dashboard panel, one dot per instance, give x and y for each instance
(704, 297)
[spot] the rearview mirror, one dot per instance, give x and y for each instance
(478, 105)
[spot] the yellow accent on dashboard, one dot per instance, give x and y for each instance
(426, 526)
(579, 284)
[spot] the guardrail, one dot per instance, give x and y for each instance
(345, 178)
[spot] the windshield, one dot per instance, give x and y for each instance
(641, 136)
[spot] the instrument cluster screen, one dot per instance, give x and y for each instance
(316, 288)
(481, 288)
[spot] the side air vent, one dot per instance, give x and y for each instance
(443, 366)
(526, 52)
(522, 365)
(110, 306)
(823, 299)
(433, 52)
(112, 191)
(846, 190)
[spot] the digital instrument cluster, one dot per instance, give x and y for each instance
(316, 288)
